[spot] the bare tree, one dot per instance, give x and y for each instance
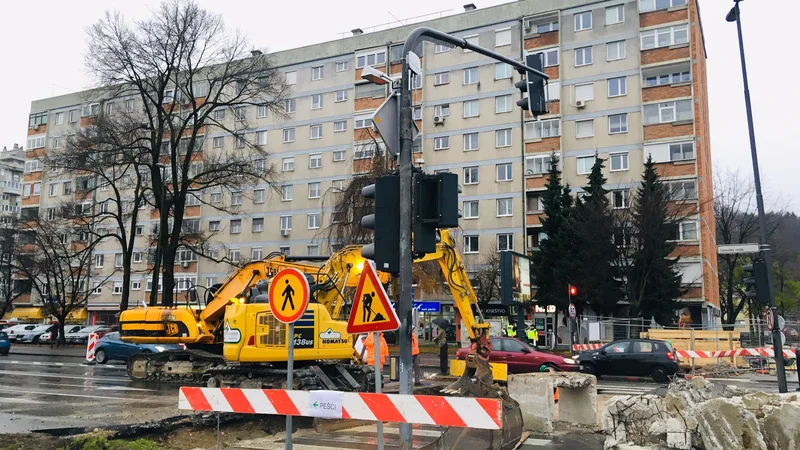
(188, 78)
(57, 256)
(486, 280)
(9, 255)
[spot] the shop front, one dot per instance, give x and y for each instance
(25, 314)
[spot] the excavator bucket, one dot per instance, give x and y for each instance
(476, 381)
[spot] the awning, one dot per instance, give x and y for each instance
(78, 315)
(25, 313)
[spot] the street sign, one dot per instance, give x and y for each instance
(781, 323)
(288, 295)
(769, 319)
(371, 310)
(327, 404)
(573, 313)
(414, 63)
(386, 119)
(729, 249)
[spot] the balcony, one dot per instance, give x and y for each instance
(11, 187)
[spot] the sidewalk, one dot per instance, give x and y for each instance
(77, 351)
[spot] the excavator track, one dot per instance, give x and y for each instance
(200, 368)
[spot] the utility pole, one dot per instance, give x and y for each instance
(777, 341)
(406, 123)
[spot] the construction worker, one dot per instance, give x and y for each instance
(415, 357)
(511, 330)
(384, 351)
(533, 336)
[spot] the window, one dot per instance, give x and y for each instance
(504, 207)
(668, 112)
(537, 164)
(313, 189)
(470, 75)
(288, 135)
(60, 118)
(256, 254)
(240, 113)
(291, 77)
(37, 189)
(583, 56)
(441, 78)
(619, 161)
(286, 223)
(218, 141)
(234, 254)
(620, 198)
(668, 78)
(214, 225)
(502, 104)
(535, 203)
(236, 226)
(665, 37)
(471, 175)
(621, 347)
(617, 87)
(316, 73)
(286, 192)
(471, 209)
(34, 120)
(36, 142)
(681, 152)
(33, 165)
(615, 14)
(441, 48)
(236, 198)
(262, 111)
(288, 164)
(363, 151)
(502, 138)
(441, 143)
(441, 110)
(258, 225)
(339, 126)
(502, 71)
(687, 231)
(549, 57)
(363, 121)
(313, 221)
(51, 213)
(543, 129)
(583, 21)
(472, 40)
(261, 137)
(505, 242)
(129, 105)
(219, 114)
(547, 27)
(683, 190)
(370, 59)
(258, 196)
(341, 66)
(99, 260)
(216, 197)
(652, 5)
(584, 92)
(585, 164)
(502, 37)
(472, 109)
(417, 113)
(315, 131)
(339, 155)
(615, 50)
(238, 140)
(471, 142)
(341, 96)
(316, 101)
(618, 123)
(504, 172)
(584, 128)
(53, 190)
(67, 188)
(73, 116)
(471, 244)
(312, 250)
(290, 104)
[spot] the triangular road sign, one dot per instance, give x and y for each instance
(371, 310)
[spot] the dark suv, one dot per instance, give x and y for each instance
(632, 357)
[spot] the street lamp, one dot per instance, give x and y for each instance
(734, 15)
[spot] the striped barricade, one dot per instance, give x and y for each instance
(91, 344)
(702, 354)
(584, 347)
(481, 413)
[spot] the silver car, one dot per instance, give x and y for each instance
(82, 336)
(15, 331)
(35, 334)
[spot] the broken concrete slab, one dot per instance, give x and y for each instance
(628, 420)
(726, 423)
(577, 398)
(781, 427)
(535, 398)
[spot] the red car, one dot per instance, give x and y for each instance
(521, 357)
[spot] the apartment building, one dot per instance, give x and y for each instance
(12, 166)
(628, 79)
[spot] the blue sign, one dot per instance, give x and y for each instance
(426, 307)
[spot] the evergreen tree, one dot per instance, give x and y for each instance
(551, 262)
(594, 271)
(654, 283)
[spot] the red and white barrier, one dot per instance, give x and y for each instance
(91, 343)
(481, 413)
(701, 354)
(584, 347)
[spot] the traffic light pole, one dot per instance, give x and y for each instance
(777, 342)
(404, 303)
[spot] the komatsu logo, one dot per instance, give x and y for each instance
(331, 337)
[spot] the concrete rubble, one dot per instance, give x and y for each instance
(691, 417)
(577, 399)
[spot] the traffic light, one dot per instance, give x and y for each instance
(533, 85)
(757, 284)
(435, 206)
(385, 223)
(573, 290)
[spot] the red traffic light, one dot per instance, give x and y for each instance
(573, 290)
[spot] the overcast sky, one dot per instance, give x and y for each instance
(43, 43)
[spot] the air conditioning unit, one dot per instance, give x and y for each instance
(580, 104)
(285, 233)
(185, 264)
(438, 119)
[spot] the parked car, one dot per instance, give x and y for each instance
(111, 347)
(632, 357)
(47, 337)
(14, 331)
(35, 334)
(520, 357)
(5, 343)
(82, 336)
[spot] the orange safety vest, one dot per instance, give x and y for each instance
(369, 342)
(414, 344)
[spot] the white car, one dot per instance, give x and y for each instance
(67, 329)
(33, 335)
(15, 331)
(82, 336)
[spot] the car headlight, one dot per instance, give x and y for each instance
(160, 348)
(570, 361)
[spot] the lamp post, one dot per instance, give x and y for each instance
(734, 15)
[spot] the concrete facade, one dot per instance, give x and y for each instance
(484, 133)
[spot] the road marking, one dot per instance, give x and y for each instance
(535, 441)
(100, 387)
(60, 364)
(23, 391)
(51, 375)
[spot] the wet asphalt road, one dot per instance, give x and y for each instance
(46, 392)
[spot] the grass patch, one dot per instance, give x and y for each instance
(103, 443)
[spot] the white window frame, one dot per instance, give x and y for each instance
(509, 238)
(317, 73)
(581, 19)
(472, 244)
(287, 192)
(626, 198)
(650, 5)
(504, 169)
(339, 126)
(341, 96)
(623, 126)
(502, 71)
(472, 108)
(362, 121)
(653, 35)
(468, 79)
(584, 121)
(218, 142)
(621, 84)
(314, 189)
(313, 221)
(683, 153)
(286, 223)
(682, 231)
(441, 143)
(287, 164)
(236, 226)
(471, 209)
(619, 13)
(583, 53)
(623, 159)
(471, 175)
(508, 207)
(257, 225)
(621, 49)
(548, 55)
(289, 135)
(587, 89)
(536, 129)
(580, 164)
(441, 110)
(290, 77)
(262, 111)
(441, 78)
(341, 66)
(315, 131)
(441, 48)
(316, 101)
(315, 161)
(502, 37)
(506, 102)
(339, 155)
(472, 138)
(505, 132)
(378, 58)
(290, 105)
(261, 138)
